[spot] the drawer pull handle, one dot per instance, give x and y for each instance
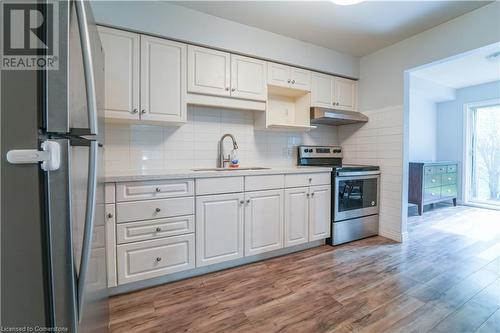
(248, 201)
(449, 178)
(310, 180)
(158, 259)
(433, 180)
(158, 229)
(242, 202)
(110, 216)
(312, 194)
(307, 195)
(157, 210)
(158, 189)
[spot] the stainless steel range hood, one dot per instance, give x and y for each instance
(324, 116)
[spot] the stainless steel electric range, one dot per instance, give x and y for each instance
(355, 193)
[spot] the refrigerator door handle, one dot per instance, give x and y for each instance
(89, 223)
(83, 27)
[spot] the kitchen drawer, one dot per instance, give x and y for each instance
(430, 170)
(452, 168)
(431, 194)
(154, 209)
(109, 193)
(449, 191)
(149, 259)
(432, 180)
(306, 179)
(266, 182)
(219, 185)
(156, 189)
(449, 179)
(152, 229)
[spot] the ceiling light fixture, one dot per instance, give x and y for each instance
(346, 2)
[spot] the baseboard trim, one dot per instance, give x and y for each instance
(395, 236)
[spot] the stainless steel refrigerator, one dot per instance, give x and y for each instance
(53, 262)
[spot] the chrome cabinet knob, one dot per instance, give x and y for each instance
(310, 180)
(234, 89)
(109, 216)
(293, 81)
(158, 189)
(289, 81)
(134, 111)
(307, 194)
(248, 201)
(227, 88)
(242, 202)
(143, 111)
(158, 259)
(312, 194)
(157, 210)
(158, 229)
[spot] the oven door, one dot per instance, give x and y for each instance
(355, 195)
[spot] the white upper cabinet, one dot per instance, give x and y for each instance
(301, 78)
(278, 75)
(319, 212)
(296, 216)
(248, 78)
(121, 65)
(322, 90)
(209, 71)
(334, 92)
(163, 78)
(345, 94)
(288, 77)
(219, 228)
(263, 221)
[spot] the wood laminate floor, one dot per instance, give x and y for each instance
(446, 278)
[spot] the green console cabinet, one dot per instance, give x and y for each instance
(432, 182)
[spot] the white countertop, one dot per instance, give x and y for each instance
(141, 175)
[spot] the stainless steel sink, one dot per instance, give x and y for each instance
(231, 169)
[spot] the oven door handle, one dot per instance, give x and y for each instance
(357, 174)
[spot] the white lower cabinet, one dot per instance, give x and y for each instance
(263, 221)
(149, 259)
(319, 212)
(219, 228)
(296, 216)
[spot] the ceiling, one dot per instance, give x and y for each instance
(358, 29)
(464, 71)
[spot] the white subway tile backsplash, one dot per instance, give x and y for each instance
(195, 144)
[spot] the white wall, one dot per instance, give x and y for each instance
(450, 120)
(176, 22)
(194, 145)
(382, 82)
(422, 131)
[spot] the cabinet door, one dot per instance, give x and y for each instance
(296, 216)
(263, 221)
(219, 228)
(248, 78)
(163, 80)
(319, 212)
(278, 75)
(345, 94)
(208, 71)
(321, 90)
(301, 79)
(121, 66)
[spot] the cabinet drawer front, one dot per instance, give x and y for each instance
(429, 170)
(145, 230)
(306, 179)
(154, 189)
(442, 169)
(452, 168)
(431, 194)
(267, 182)
(145, 260)
(219, 185)
(449, 191)
(432, 180)
(449, 178)
(154, 209)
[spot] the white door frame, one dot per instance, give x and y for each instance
(467, 150)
